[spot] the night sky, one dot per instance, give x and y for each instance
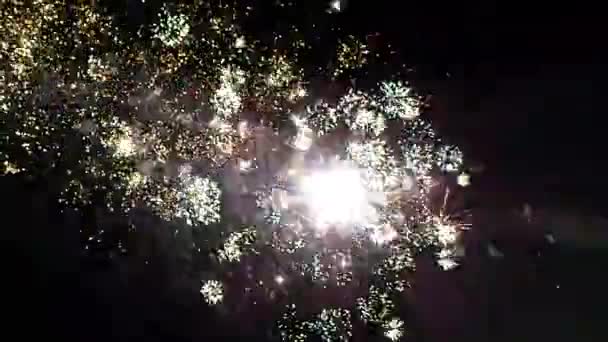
(519, 91)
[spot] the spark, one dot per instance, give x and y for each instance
(245, 165)
(237, 244)
(393, 329)
(303, 139)
(352, 54)
(464, 179)
(322, 117)
(136, 180)
(376, 307)
(445, 259)
(297, 92)
(213, 292)
(383, 234)
(10, 168)
(226, 99)
(450, 158)
(398, 101)
(446, 231)
(282, 72)
(372, 154)
(171, 29)
(240, 43)
(121, 142)
(368, 121)
(198, 200)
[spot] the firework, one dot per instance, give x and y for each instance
(202, 116)
(213, 292)
(376, 307)
(393, 329)
(329, 325)
(237, 244)
(226, 100)
(198, 200)
(172, 28)
(352, 54)
(446, 260)
(322, 118)
(398, 101)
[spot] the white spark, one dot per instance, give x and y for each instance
(383, 234)
(393, 329)
(447, 264)
(398, 101)
(125, 147)
(226, 100)
(303, 139)
(172, 29)
(371, 154)
(213, 292)
(445, 259)
(240, 42)
(199, 200)
(121, 143)
(446, 232)
(464, 179)
(245, 165)
(368, 121)
(244, 130)
(236, 245)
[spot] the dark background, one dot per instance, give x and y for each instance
(520, 89)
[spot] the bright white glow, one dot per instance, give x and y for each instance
(125, 147)
(464, 179)
(245, 165)
(393, 329)
(383, 235)
(244, 130)
(446, 233)
(335, 6)
(240, 43)
(279, 279)
(303, 139)
(336, 197)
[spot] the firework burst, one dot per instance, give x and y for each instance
(201, 119)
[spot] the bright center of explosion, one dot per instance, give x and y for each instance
(335, 197)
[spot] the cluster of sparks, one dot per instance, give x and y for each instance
(166, 129)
